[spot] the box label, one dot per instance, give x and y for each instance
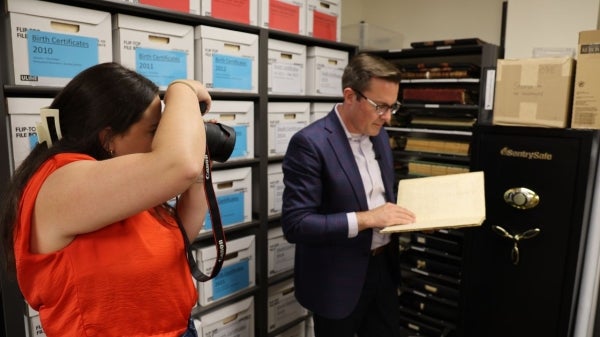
(287, 77)
(231, 278)
(324, 26)
(284, 16)
(161, 66)
(232, 72)
(234, 10)
(60, 55)
(589, 49)
(231, 207)
(283, 134)
(240, 149)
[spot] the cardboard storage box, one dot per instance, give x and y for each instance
(240, 116)
(324, 19)
(320, 110)
(161, 51)
(233, 190)
(24, 113)
(281, 252)
(242, 11)
(238, 271)
(285, 119)
(227, 60)
(287, 68)
(236, 319)
(586, 93)
(324, 69)
(51, 43)
(284, 15)
(35, 327)
(283, 306)
(274, 190)
(534, 92)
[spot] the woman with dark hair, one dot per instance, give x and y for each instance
(85, 223)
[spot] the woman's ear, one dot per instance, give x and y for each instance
(105, 137)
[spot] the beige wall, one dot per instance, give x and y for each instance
(531, 24)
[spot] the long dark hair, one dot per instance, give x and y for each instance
(104, 95)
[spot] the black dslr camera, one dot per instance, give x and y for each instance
(220, 139)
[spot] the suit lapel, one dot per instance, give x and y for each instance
(337, 140)
(381, 148)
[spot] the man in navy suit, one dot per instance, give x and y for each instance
(339, 183)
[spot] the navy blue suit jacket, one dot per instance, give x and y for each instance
(322, 184)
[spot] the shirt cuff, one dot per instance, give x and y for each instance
(352, 224)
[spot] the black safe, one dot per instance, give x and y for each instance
(522, 267)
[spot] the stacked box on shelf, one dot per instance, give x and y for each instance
(161, 51)
(236, 274)
(285, 15)
(227, 60)
(319, 110)
(24, 113)
(48, 46)
(235, 319)
(233, 190)
(185, 6)
(242, 11)
(285, 119)
(324, 70)
(287, 68)
(280, 251)
(283, 306)
(240, 116)
(324, 19)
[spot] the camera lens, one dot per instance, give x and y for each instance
(220, 141)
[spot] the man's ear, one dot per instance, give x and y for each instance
(349, 94)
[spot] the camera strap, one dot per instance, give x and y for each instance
(217, 229)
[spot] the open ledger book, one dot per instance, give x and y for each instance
(446, 201)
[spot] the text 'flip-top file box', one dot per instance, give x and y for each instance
(24, 113)
(236, 319)
(283, 306)
(243, 11)
(186, 6)
(324, 69)
(324, 19)
(35, 327)
(298, 330)
(281, 252)
(227, 60)
(240, 116)
(233, 190)
(285, 119)
(51, 43)
(237, 273)
(285, 15)
(161, 51)
(320, 110)
(287, 68)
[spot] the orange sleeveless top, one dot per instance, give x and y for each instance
(128, 279)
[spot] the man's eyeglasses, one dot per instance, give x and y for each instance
(380, 109)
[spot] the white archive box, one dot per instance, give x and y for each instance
(242, 11)
(35, 327)
(240, 116)
(324, 19)
(227, 60)
(275, 188)
(281, 252)
(285, 15)
(285, 119)
(161, 51)
(287, 68)
(236, 319)
(324, 69)
(24, 113)
(298, 330)
(237, 272)
(51, 43)
(233, 190)
(320, 110)
(283, 305)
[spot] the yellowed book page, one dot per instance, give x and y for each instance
(447, 201)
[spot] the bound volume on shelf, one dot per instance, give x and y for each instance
(449, 42)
